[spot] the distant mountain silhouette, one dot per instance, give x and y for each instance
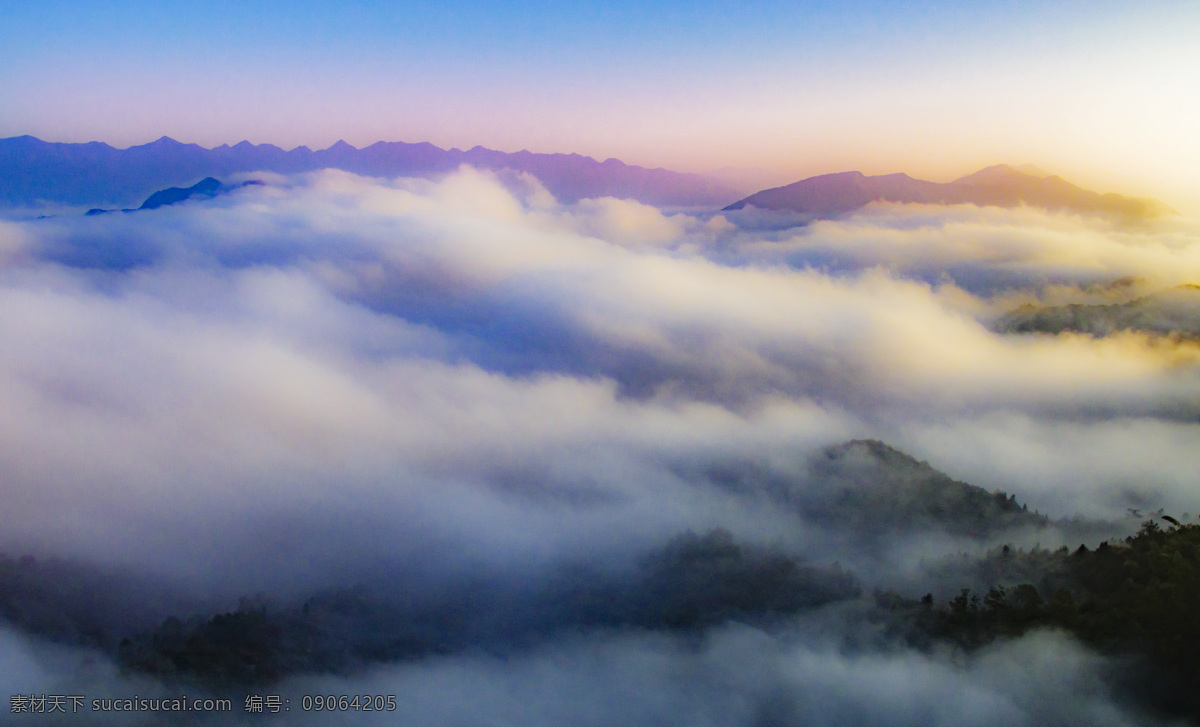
(206, 188)
(830, 195)
(33, 171)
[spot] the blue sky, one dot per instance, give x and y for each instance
(1102, 92)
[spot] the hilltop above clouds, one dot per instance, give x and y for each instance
(1175, 311)
(831, 195)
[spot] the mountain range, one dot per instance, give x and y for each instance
(33, 171)
(831, 195)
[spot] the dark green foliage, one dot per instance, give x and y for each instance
(75, 603)
(874, 488)
(1173, 312)
(50, 600)
(692, 582)
(1140, 597)
(873, 491)
(258, 644)
(697, 580)
(242, 647)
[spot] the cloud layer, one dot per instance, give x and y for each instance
(330, 380)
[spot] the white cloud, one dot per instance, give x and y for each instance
(329, 378)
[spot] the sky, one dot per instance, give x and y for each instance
(1101, 93)
(461, 387)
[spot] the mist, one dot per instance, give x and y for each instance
(430, 388)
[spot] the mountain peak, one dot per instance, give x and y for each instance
(1001, 185)
(206, 187)
(876, 488)
(995, 174)
(872, 447)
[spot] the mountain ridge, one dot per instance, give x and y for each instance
(33, 171)
(1001, 185)
(206, 188)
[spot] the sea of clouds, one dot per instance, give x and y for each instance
(331, 380)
